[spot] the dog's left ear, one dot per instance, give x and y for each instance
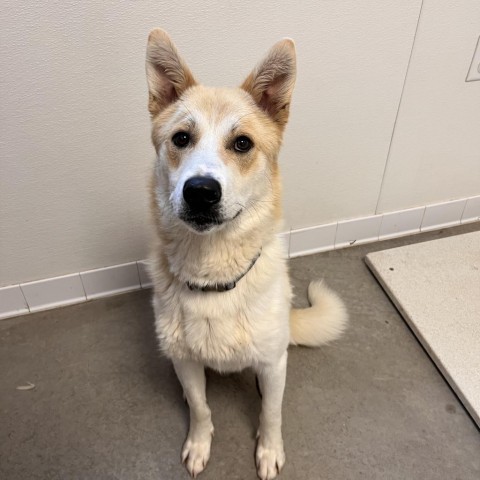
(272, 80)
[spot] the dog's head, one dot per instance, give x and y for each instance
(217, 148)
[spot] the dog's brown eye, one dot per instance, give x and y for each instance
(242, 144)
(181, 139)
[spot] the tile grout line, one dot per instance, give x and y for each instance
(83, 286)
(423, 217)
(138, 274)
(289, 241)
(24, 297)
(335, 237)
(466, 201)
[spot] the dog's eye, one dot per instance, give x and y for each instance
(242, 144)
(181, 139)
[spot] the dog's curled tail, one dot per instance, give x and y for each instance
(321, 323)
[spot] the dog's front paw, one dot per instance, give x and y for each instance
(270, 459)
(196, 452)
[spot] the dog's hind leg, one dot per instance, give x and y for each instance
(196, 450)
(270, 456)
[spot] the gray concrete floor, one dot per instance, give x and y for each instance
(107, 406)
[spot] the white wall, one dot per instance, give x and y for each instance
(435, 153)
(75, 148)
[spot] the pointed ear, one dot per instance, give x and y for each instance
(167, 74)
(272, 80)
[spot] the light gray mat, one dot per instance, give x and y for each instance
(436, 287)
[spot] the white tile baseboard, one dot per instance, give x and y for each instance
(145, 280)
(82, 286)
(442, 215)
(306, 241)
(107, 281)
(403, 222)
(53, 292)
(12, 302)
(358, 231)
(471, 213)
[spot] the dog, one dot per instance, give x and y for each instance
(222, 295)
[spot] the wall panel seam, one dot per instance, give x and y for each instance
(398, 110)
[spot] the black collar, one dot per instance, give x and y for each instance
(222, 287)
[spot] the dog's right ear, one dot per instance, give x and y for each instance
(167, 74)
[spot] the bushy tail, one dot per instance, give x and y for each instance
(323, 322)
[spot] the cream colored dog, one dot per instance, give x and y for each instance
(221, 288)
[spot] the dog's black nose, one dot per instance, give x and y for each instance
(201, 193)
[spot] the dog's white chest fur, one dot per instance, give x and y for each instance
(217, 335)
(229, 330)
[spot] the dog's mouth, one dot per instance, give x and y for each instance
(202, 222)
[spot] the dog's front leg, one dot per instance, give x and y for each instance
(196, 450)
(270, 456)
